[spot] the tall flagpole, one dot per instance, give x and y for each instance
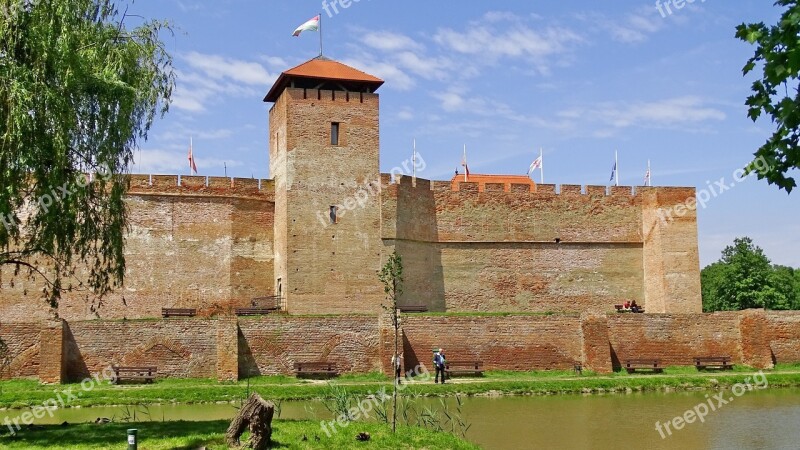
(414, 161)
(320, 34)
(541, 163)
(191, 153)
(649, 175)
(465, 163)
(616, 164)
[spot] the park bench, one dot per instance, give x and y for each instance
(316, 368)
(178, 312)
(654, 365)
(713, 362)
(463, 368)
(253, 311)
(413, 308)
(128, 373)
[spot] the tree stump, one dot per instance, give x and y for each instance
(255, 414)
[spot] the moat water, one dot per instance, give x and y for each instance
(767, 419)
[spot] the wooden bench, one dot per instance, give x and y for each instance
(713, 362)
(178, 312)
(127, 373)
(253, 311)
(316, 368)
(413, 308)
(463, 367)
(619, 308)
(654, 365)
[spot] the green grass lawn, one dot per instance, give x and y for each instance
(192, 435)
(25, 393)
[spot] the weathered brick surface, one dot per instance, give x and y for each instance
(51, 355)
(185, 348)
(327, 268)
(271, 345)
(227, 349)
(755, 334)
(784, 337)
(674, 338)
(594, 340)
(206, 249)
(23, 341)
(502, 343)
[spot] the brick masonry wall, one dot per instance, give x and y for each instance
(784, 338)
(271, 345)
(184, 348)
(187, 248)
(501, 343)
(23, 342)
(674, 338)
(328, 268)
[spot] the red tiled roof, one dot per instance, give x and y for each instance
(324, 69)
(482, 179)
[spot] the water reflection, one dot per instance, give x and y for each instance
(757, 420)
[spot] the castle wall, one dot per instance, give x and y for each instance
(227, 348)
(675, 338)
(180, 348)
(330, 268)
(501, 343)
(467, 251)
(271, 345)
(190, 246)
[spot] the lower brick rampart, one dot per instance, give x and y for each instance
(228, 349)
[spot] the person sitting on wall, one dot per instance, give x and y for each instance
(634, 307)
(627, 304)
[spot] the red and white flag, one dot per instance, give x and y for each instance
(311, 25)
(535, 165)
(192, 165)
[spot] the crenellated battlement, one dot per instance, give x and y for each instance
(262, 189)
(524, 190)
(332, 96)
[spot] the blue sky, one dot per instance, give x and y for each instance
(580, 79)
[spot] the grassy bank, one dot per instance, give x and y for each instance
(25, 393)
(193, 435)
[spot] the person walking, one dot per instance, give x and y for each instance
(397, 363)
(440, 362)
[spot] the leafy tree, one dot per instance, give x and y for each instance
(392, 278)
(79, 90)
(783, 280)
(744, 278)
(712, 278)
(776, 94)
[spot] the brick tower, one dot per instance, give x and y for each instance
(324, 158)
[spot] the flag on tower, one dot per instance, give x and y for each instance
(538, 164)
(192, 165)
(311, 25)
(647, 176)
(615, 170)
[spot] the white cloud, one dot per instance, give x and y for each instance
(212, 77)
(387, 41)
(687, 112)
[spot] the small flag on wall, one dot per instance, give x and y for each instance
(648, 175)
(192, 165)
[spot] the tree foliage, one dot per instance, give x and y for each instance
(776, 94)
(744, 278)
(79, 90)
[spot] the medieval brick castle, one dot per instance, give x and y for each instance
(556, 260)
